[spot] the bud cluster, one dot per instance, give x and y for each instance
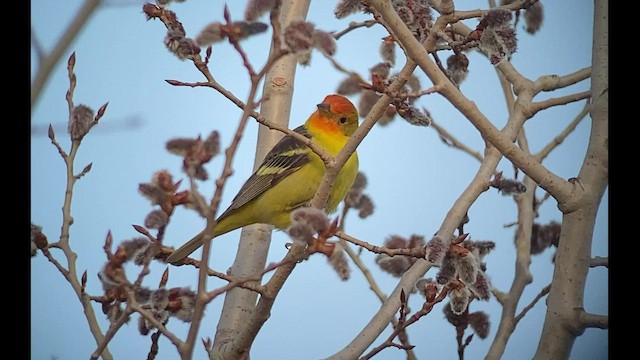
(413, 115)
(162, 191)
(176, 39)
(458, 67)
(235, 31)
(80, 122)
(256, 8)
(544, 236)
(461, 269)
(356, 199)
(388, 49)
(416, 14)
(38, 239)
(345, 8)
(397, 265)
(478, 321)
(112, 274)
(306, 222)
(350, 85)
(300, 37)
(195, 153)
(163, 303)
(496, 35)
(507, 186)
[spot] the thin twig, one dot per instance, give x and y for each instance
(153, 351)
(37, 46)
(56, 263)
(155, 323)
(111, 332)
(354, 25)
(542, 154)
(71, 274)
(555, 82)
(343, 69)
(563, 100)
(524, 311)
(450, 140)
(238, 282)
(418, 252)
(426, 309)
(373, 285)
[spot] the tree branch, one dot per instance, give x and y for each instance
(354, 25)
(241, 318)
(334, 167)
(427, 306)
(526, 309)
(555, 82)
(522, 278)
(450, 140)
(542, 154)
(373, 285)
(381, 319)
(573, 257)
(561, 189)
(111, 332)
(563, 100)
(48, 62)
(589, 320)
(599, 261)
(71, 274)
(418, 252)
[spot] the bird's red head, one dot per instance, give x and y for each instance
(339, 104)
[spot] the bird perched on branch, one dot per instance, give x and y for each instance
(290, 175)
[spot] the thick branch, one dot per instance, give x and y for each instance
(240, 319)
(262, 310)
(502, 141)
(563, 323)
(522, 278)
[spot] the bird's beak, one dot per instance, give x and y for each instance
(324, 107)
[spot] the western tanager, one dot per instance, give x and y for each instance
(290, 175)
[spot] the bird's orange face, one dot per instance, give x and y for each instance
(336, 114)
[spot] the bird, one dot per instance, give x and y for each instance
(289, 175)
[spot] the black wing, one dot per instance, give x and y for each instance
(286, 157)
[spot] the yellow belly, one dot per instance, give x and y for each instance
(275, 205)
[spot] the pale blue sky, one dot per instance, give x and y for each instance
(121, 59)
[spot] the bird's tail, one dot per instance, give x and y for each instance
(186, 249)
(223, 225)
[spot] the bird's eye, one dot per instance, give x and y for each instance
(343, 120)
